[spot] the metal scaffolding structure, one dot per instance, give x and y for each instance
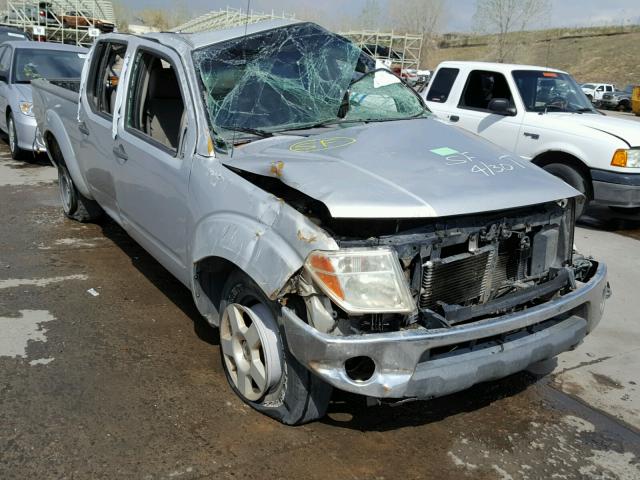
(64, 21)
(227, 17)
(401, 50)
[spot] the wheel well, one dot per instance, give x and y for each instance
(564, 158)
(211, 274)
(53, 148)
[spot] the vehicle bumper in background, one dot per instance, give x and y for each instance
(26, 129)
(413, 363)
(616, 189)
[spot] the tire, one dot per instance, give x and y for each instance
(16, 152)
(626, 210)
(298, 396)
(574, 178)
(624, 106)
(75, 205)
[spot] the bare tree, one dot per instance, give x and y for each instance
(418, 16)
(506, 19)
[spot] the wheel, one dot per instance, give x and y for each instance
(16, 152)
(624, 106)
(257, 361)
(75, 205)
(573, 178)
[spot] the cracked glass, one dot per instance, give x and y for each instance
(296, 77)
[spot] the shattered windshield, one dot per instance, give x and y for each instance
(296, 77)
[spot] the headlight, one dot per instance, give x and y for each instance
(362, 280)
(626, 158)
(26, 108)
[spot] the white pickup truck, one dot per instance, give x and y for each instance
(542, 115)
(595, 91)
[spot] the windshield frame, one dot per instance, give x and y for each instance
(17, 51)
(221, 132)
(566, 77)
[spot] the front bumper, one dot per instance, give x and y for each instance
(410, 363)
(26, 129)
(616, 189)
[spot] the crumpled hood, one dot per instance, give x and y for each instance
(401, 169)
(626, 130)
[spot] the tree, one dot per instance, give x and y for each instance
(418, 16)
(506, 19)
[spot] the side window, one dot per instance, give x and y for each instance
(600, 89)
(105, 76)
(442, 85)
(5, 60)
(482, 87)
(155, 107)
(609, 88)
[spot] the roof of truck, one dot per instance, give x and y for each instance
(202, 39)
(498, 67)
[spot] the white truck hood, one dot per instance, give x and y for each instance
(626, 130)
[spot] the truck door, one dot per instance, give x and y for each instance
(473, 111)
(95, 126)
(154, 149)
(437, 96)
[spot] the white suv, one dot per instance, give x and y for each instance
(595, 91)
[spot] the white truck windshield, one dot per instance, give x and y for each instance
(551, 91)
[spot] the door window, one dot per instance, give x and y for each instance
(609, 88)
(442, 85)
(155, 106)
(5, 61)
(600, 89)
(104, 77)
(482, 87)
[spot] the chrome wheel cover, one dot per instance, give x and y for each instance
(65, 184)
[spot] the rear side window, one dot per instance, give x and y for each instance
(442, 85)
(155, 107)
(104, 77)
(482, 87)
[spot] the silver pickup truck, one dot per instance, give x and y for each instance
(335, 231)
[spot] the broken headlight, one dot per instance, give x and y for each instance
(362, 280)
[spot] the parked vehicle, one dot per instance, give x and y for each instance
(40, 15)
(73, 19)
(542, 115)
(335, 231)
(635, 101)
(595, 91)
(618, 100)
(20, 63)
(12, 34)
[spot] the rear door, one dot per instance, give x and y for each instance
(154, 149)
(472, 110)
(94, 133)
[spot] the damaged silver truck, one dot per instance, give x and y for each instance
(335, 231)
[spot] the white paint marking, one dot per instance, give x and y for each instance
(93, 292)
(17, 332)
(38, 282)
(579, 425)
(41, 361)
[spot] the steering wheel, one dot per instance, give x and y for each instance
(558, 102)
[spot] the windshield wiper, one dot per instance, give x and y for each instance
(583, 110)
(253, 131)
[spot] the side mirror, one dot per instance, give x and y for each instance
(501, 106)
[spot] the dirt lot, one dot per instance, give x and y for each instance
(128, 383)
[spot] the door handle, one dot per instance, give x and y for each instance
(83, 128)
(454, 118)
(120, 153)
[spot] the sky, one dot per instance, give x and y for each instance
(565, 13)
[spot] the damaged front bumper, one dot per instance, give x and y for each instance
(425, 363)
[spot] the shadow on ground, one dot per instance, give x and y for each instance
(612, 220)
(163, 280)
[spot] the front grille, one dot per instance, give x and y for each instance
(457, 280)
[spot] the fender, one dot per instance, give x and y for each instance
(260, 250)
(55, 128)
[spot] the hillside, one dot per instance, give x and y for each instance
(607, 54)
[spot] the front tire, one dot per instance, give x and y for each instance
(16, 152)
(574, 178)
(256, 359)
